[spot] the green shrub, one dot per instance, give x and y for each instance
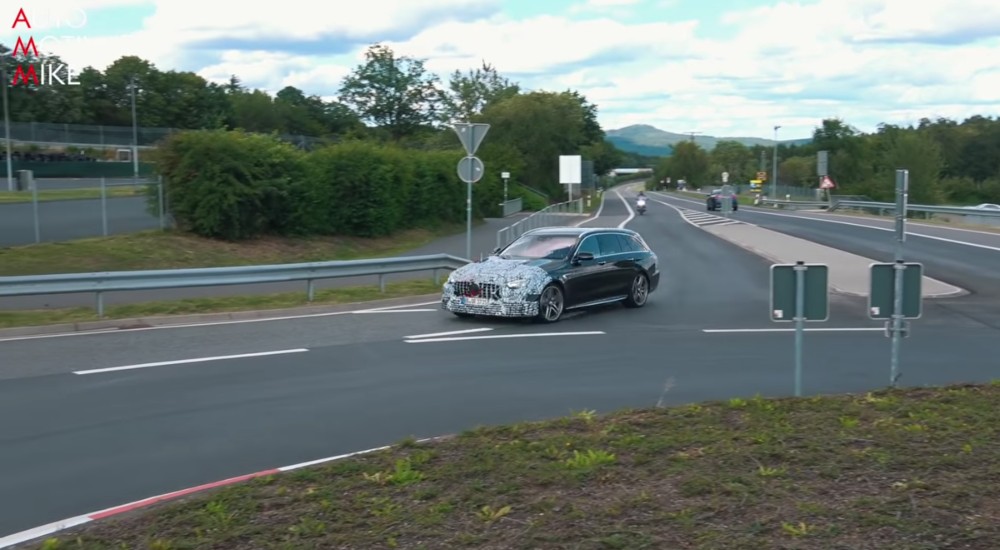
(231, 184)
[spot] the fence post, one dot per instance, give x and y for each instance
(163, 209)
(310, 290)
(100, 305)
(104, 206)
(381, 282)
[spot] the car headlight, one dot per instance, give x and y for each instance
(516, 283)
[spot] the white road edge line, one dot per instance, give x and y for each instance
(188, 361)
(596, 216)
(497, 336)
(208, 324)
(807, 329)
(631, 213)
(62, 525)
(855, 224)
(364, 311)
(449, 333)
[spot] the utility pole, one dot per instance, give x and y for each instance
(774, 166)
(135, 136)
(6, 124)
(692, 134)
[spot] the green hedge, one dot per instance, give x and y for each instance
(236, 185)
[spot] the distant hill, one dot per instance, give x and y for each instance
(651, 141)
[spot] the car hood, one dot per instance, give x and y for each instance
(495, 268)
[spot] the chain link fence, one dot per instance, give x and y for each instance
(84, 136)
(63, 209)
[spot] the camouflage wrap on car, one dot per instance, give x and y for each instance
(495, 287)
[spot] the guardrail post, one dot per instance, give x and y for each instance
(310, 290)
(100, 305)
(381, 282)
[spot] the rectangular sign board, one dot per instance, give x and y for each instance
(881, 292)
(570, 169)
(822, 163)
(817, 292)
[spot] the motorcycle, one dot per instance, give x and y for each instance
(640, 206)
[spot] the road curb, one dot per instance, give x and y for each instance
(178, 320)
(49, 529)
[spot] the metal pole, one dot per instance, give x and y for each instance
(774, 166)
(902, 190)
(6, 127)
(468, 212)
(159, 191)
(800, 318)
(135, 138)
(34, 208)
(104, 207)
(505, 191)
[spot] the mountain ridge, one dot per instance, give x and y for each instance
(645, 139)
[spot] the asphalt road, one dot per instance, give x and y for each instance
(967, 259)
(72, 219)
(74, 443)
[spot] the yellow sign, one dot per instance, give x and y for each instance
(762, 175)
(756, 182)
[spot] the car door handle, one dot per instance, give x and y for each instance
(602, 262)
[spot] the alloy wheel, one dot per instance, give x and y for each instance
(551, 303)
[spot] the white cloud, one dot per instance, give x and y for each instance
(791, 63)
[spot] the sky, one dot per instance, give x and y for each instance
(718, 67)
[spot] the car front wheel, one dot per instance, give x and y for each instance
(639, 292)
(551, 304)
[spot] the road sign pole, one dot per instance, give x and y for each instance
(468, 212)
(800, 321)
(899, 269)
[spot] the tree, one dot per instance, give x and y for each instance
(690, 163)
(733, 157)
(917, 153)
(469, 94)
(394, 92)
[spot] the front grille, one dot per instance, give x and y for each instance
(471, 289)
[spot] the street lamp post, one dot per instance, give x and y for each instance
(774, 166)
(135, 137)
(6, 124)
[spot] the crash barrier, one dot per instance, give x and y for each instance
(512, 206)
(957, 214)
(550, 215)
(111, 281)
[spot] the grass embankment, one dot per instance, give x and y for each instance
(890, 470)
(117, 191)
(156, 250)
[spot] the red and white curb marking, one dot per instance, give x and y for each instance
(57, 526)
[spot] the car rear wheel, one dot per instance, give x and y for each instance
(639, 292)
(551, 304)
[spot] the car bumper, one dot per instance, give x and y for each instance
(654, 281)
(490, 308)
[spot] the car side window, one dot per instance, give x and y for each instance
(609, 244)
(638, 244)
(628, 244)
(589, 244)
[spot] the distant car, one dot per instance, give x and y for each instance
(551, 270)
(986, 206)
(714, 200)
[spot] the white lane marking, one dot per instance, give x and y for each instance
(497, 336)
(188, 361)
(397, 308)
(449, 333)
(43, 530)
(363, 311)
(842, 329)
(866, 226)
(631, 213)
(207, 324)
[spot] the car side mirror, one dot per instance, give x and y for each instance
(497, 250)
(583, 257)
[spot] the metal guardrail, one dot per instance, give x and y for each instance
(542, 218)
(794, 205)
(933, 209)
(111, 281)
(512, 206)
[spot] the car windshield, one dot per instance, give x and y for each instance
(549, 247)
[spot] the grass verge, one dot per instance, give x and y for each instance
(85, 193)
(225, 304)
(166, 250)
(897, 469)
